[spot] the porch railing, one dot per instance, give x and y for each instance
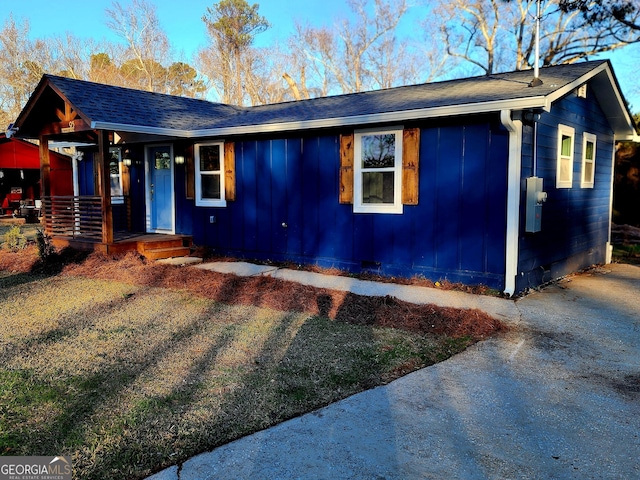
(81, 217)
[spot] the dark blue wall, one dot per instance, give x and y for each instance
(87, 186)
(86, 175)
(575, 221)
(287, 208)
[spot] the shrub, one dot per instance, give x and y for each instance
(45, 247)
(14, 239)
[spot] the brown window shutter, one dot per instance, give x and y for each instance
(229, 171)
(190, 172)
(346, 168)
(410, 160)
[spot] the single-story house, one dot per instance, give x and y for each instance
(20, 175)
(494, 180)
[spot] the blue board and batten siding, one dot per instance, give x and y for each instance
(287, 207)
(575, 221)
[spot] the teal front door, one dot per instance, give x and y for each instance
(160, 189)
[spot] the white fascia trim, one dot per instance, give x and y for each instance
(627, 138)
(626, 118)
(514, 127)
(386, 117)
(404, 115)
(123, 127)
(561, 92)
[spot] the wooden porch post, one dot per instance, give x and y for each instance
(104, 179)
(45, 179)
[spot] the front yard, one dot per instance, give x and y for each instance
(131, 366)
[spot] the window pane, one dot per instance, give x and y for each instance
(210, 158)
(565, 170)
(378, 151)
(116, 189)
(588, 172)
(114, 168)
(589, 151)
(377, 187)
(566, 146)
(210, 187)
(163, 161)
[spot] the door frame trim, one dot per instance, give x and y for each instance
(147, 193)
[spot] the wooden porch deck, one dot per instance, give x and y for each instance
(153, 246)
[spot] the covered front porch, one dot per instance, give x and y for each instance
(104, 211)
(76, 222)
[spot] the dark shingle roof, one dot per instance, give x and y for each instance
(131, 110)
(475, 90)
(117, 105)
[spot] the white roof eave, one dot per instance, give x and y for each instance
(347, 121)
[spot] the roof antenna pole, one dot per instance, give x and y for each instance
(536, 69)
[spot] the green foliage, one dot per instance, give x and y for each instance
(14, 239)
(235, 23)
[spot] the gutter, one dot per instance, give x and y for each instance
(514, 167)
(350, 121)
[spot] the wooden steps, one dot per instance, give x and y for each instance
(164, 246)
(151, 246)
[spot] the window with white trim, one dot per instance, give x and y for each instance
(564, 169)
(209, 163)
(588, 160)
(378, 171)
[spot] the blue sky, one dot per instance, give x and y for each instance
(181, 19)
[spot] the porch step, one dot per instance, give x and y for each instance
(164, 246)
(170, 252)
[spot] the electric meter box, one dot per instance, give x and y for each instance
(535, 198)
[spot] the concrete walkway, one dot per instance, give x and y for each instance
(557, 397)
(499, 308)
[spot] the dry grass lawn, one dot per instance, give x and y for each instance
(131, 366)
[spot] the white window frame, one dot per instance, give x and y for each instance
(584, 182)
(564, 130)
(209, 202)
(358, 205)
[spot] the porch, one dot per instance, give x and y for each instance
(77, 222)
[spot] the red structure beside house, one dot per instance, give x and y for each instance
(20, 174)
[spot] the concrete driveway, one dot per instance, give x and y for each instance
(556, 397)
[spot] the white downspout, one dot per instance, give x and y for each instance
(609, 245)
(514, 166)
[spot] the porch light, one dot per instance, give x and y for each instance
(179, 159)
(126, 158)
(1, 174)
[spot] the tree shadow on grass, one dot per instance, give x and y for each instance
(288, 375)
(78, 399)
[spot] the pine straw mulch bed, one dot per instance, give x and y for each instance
(263, 292)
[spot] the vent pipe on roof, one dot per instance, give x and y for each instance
(536, 82)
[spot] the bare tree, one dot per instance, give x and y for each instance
(147, 43)
(22, 63)
(355, 55)
(626, 13)
(498, 35)
(232, 26)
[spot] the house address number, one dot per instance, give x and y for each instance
(70, 128)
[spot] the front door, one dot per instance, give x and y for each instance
(160, 189)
